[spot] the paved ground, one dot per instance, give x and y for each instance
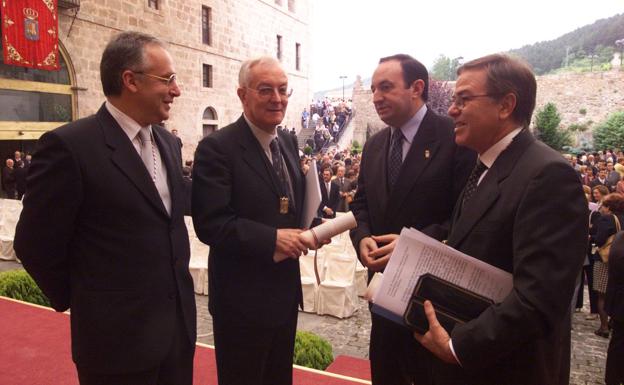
(350, 336)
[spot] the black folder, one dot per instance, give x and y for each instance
(453, 304)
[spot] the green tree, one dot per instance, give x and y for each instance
(610, 133)
(441, 68)
(547, 128)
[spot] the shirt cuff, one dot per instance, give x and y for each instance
(453, 351)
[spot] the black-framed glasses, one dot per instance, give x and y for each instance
(172, 78)
(266, 92)
(459, 101)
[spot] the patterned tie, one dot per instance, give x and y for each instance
(148, 154)
(278, 166)
(471, 185)
(396, 157)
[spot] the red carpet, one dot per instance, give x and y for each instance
(35, 350)
(351, 367)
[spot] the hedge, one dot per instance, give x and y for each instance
(312, 351)
(19, 285)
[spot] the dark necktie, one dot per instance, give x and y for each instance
(471, 185)
(396, 157)
(278, 166)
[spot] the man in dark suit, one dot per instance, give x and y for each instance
(247, 203)
(102, 229)
(330, 195)
(410, 176)
(345, 186)
(507, 218)
(9, 179)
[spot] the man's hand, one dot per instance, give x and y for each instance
(367, 246)
(328, 211)
(382, 254)
(436, 340)
(288, 244)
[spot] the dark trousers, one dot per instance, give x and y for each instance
(587, 276)
(614, 372)
(396, 357)
(175, 369)
(250, 354)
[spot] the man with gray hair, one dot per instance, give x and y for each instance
(247, 204)
(102, 230)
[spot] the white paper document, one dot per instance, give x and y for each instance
(416, 254)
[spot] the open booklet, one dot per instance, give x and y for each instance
(469, 281)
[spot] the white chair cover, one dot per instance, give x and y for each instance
(361, 278)
(337, 294)
(309, 286)
(10, 210)
(198, 265)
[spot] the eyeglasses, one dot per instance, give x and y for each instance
(266, 92)
(459, 101)
(172, 78)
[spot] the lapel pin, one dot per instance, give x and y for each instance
(427, 154)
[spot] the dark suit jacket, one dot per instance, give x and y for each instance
(330, 200)
(345, 186)
(95, 236)
(236, 211)
(529, 217)
(431, 178)
(614, 300)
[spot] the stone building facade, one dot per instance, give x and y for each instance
(208, 40)
(580, 98)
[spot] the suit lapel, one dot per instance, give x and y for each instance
(421, 153)
(466, 218)
(254, 156)
(126, 158)
(292, 163)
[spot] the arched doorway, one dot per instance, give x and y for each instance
(33, 102)
(210, 121)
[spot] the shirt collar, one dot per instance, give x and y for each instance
(488, 157)
(410, 128)
(127, 124)
(263, 137)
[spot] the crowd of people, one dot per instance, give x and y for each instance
(14, 174)
(329, 118)
(602, 176)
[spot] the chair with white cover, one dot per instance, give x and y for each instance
(361, 278)
(309, 286)
(337, 294)
(10, 210)
(198, 265)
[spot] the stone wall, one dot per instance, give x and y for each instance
(240, 30)
(579, 98)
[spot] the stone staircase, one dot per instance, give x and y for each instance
(304, 134)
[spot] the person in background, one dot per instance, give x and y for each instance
(612, 210)
(614, 306)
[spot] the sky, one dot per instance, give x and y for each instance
(349, 36)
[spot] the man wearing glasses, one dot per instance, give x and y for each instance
(247, 203)
(410, 176)
(102, 231)
(506, 218)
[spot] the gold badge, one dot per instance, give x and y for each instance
(427, 154)
(284, 205)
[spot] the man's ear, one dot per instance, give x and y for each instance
(241, 92)
(418, 87)
(507, 106)
(129, 81)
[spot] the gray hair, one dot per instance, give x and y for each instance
(243, 75)
(125, 51)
